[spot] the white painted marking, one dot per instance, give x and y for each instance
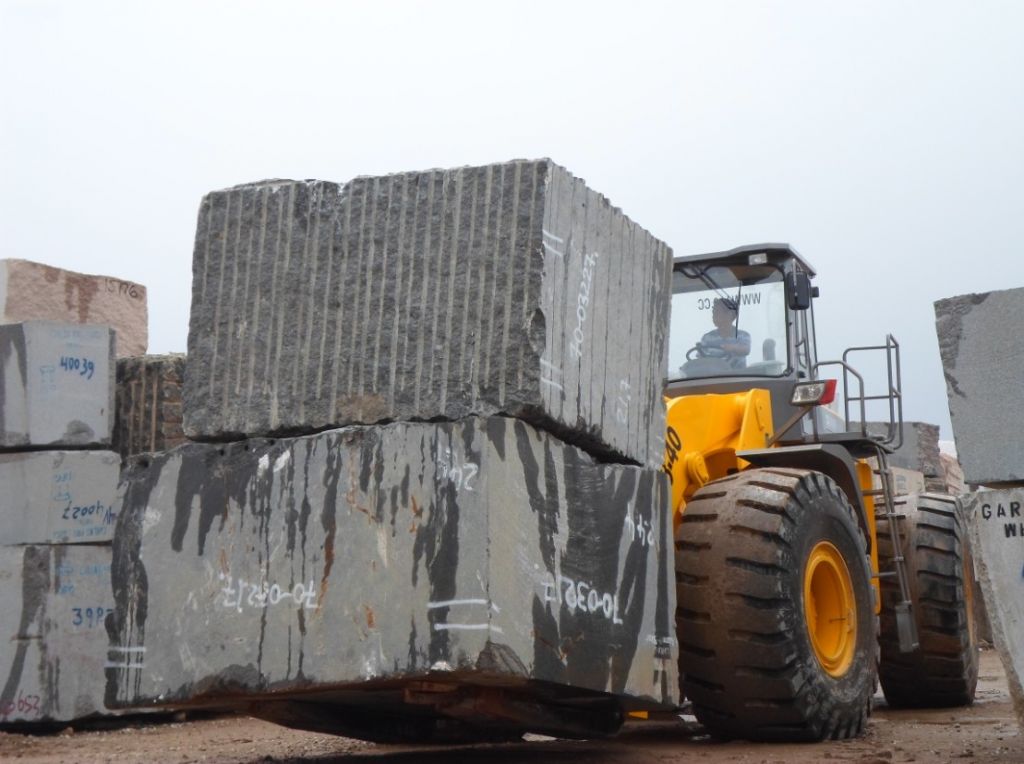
(546, 381)
(552, 250)
(552, 236)
(548, 365)
(652, 639)
(466, 627)
(282, 461)
(382, 544)
(449, 603)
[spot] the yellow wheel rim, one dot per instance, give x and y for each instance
(830, 609)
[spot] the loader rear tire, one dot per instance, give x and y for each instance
(943, 671)
(774, 619)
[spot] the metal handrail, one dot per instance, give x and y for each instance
(893, 437)
(894, 430)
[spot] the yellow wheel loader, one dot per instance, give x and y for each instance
(789, 541)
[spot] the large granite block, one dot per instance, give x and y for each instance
(997, 529)
(148, 414)
(58, 497)
(981, 340)
(35, 292)
(53, 645)
(508, 288)
(56, 385)
(480, 551)
(920, 449)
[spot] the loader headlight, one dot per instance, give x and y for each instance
(816, 393)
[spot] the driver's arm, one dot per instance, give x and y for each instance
(737, 346)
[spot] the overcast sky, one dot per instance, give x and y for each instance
(884, 140)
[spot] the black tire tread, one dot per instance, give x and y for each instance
(738, 661)
(943, 672)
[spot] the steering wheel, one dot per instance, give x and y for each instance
(701, 350)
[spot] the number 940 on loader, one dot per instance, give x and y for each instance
(800, 576)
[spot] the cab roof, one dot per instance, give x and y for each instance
(776, 254)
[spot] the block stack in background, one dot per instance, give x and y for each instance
(916, 465)
(36, 292)
(148, 410)
(433, 420)
(920, 466)
(981, 342)
(58, 483)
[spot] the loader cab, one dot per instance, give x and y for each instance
(742, 319)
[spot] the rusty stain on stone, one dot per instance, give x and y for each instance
(86, 288)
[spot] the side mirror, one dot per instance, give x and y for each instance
(798, 290)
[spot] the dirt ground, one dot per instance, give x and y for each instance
(986, 732)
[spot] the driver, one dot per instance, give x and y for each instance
(726, 340)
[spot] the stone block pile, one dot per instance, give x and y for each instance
(997, 530)
(981, 342)
(952, 475)
(148, 410)
(508, 289)
(917, 456)
(431, 407)
(57, 506)
(36, 292)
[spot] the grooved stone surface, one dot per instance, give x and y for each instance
(56, 384)
(482, 547)
(149, 411)
(53, 644)
(35, 292)
(507, 288)
(981, 341)
(58, 497)
(997, 528)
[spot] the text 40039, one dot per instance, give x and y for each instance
(84, 366)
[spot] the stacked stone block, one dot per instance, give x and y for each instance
(463, 371)
(952, 475)
(997, 528)
(53, 643)
(55, 388)
(149, 409)
(58, 483)
(981, 343)
(58, 497)
(372, 553)
(506, 289)
(33, 291)
(918, 453)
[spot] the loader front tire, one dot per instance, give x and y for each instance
(943, 671)
(774, 617)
